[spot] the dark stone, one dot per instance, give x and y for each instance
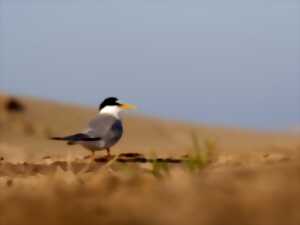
(14, 105)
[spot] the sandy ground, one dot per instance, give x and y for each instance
(245, 176)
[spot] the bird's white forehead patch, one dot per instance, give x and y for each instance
(113, 110)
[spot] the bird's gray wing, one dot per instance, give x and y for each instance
(101, 126)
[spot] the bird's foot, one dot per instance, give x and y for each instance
(108, 157)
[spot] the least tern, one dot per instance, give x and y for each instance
(104, 131)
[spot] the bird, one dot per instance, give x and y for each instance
(104, 130)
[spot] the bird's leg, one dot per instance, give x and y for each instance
(92, 156)
(89, 156)
(90, 162)
(108, 155)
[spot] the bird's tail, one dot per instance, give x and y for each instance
(72, 139)
(58, 138)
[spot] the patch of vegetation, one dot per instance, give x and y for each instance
(159, 168)
(202, 152)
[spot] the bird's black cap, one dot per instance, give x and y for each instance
(110, 101)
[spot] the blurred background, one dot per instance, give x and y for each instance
(232, 63)
(223, 66)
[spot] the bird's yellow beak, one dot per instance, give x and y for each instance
(127, 106)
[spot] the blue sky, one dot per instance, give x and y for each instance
(229, 62)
